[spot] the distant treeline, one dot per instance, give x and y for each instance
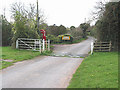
(21, 29)
(25, 25)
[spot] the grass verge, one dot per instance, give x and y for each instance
(17, 55)
(99, 70)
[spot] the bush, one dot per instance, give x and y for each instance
(57, 30)
(23, 28)
(6, 32)
(52, 38)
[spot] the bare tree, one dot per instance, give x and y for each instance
(29, 12)
(99, 9)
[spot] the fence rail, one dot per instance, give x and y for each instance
(102, 46)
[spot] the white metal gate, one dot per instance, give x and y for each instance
(33, 44)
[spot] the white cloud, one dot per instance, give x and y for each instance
(114, 0)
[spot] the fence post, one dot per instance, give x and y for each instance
(100, 46)
(48, 45)
(39, 46)
(35, 44)
(92, 47)
(17, 43)
(110, 46)
(43, 45)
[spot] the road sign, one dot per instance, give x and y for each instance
(65, 37)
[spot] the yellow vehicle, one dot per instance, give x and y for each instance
(66, 37)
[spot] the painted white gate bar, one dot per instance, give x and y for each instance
(92, 46)
(35, 44)
(43, 45)
(17, 43)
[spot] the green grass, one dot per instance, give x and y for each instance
(0, 52)
(15, 54)
(5, 64)
(18, 55)
(99, 70)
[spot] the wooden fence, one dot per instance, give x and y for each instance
(102, 46)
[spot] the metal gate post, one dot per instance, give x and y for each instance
(40, 45)
(92, 46)
(43, 45)
(17, 43)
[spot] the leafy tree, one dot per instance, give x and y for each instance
(57, 30)
(0, 30)
(53, 30)
(6, 32)
(62, 30)
(77, 32)
(99, 10)
(23, 28)
(72, 27)
(30, 13)
(43, 26)
(53, 39)
(84, 27)
(107, 26)
(93, 31)
(25, 25)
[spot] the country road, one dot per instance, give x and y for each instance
(73, 50)
(46, 71)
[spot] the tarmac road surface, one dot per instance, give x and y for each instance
(74, 50)
(46, 71)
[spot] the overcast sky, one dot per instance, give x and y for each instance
(65, 12)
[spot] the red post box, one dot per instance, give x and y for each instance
(43, 32)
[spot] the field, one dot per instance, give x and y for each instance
(17, 55)
(99, 70)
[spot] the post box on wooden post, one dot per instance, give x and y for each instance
(44, 38)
